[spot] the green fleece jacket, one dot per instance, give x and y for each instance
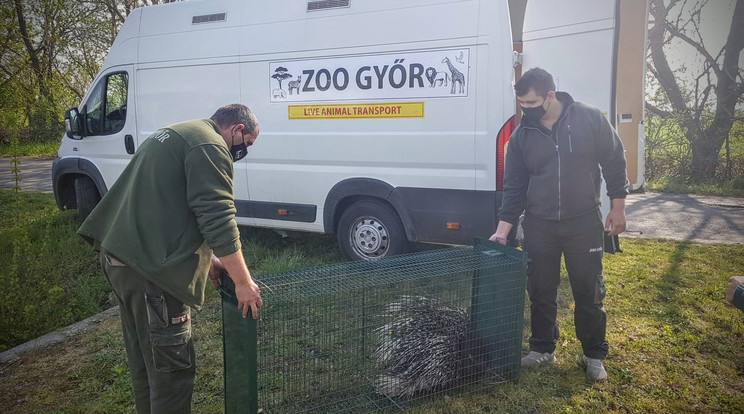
(170, 208)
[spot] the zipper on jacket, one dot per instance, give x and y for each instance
(558, 154)
(570, 143)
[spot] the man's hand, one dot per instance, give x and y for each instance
(249, 297)
(215, 271)
(246, 290)
(502, 232)
(498, 238)
(615, 223)
(734, 283)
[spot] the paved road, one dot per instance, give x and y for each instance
(697, 218)
(36, 174)
(650, 215)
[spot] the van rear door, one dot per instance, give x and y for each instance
(579, 42)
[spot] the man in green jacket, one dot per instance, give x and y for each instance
(166, 224)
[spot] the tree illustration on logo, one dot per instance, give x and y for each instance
(281, 74)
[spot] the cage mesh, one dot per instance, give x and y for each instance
(377, 336)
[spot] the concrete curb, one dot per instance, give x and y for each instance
(58, 336)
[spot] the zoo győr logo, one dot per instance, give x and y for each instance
(436, 73)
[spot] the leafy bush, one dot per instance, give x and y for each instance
(44, 125)
(668, 156)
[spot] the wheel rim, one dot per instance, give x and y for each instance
(369, 237)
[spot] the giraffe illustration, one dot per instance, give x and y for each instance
(294, 85)
(457, 77)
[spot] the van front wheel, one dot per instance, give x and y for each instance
(370, 229)
(86, 196)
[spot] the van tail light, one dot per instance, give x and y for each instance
(501, 140)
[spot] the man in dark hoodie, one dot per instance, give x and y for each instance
(552, 174)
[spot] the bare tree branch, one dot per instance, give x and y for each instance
(707, 112)
(697, 45)
(663, 71)
(659, 112)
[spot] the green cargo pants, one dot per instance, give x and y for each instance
(157, 337)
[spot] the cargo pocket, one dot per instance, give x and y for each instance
(599, 290)
(172, 348)
(157, 310)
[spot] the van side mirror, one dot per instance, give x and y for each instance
(73, 124)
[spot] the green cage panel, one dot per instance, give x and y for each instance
(377, 336)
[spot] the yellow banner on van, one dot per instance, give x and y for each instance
(358, 110)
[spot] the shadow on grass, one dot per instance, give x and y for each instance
(668, 285)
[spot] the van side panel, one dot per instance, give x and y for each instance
(381, 24)
(494, 91)
(169, 94)
(431, 209)
(299, 160)
(171, 34)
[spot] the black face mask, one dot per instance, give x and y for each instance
(239, 151)
(536, 113)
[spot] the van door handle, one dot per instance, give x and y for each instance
(129, 144)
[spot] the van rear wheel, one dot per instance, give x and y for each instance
(371, 229)
(86, 196)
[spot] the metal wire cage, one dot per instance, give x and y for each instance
(377, 336)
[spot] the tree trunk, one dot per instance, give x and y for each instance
(711, 140)
(705, 142)
(33, 56)
(704, 158)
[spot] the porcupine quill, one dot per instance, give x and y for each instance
(428, 346)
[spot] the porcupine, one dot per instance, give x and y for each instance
(428, 346)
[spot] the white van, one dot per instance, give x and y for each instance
(381, 121)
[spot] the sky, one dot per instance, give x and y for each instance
(715, 24)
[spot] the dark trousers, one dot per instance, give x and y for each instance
(157, 337)
(580, 241)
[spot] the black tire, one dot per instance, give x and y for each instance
(86, 196)
(640, 190)
(370, 229)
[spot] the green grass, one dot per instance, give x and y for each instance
(732, 187)
(676, 345)
(34, 149)
(49, 276)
